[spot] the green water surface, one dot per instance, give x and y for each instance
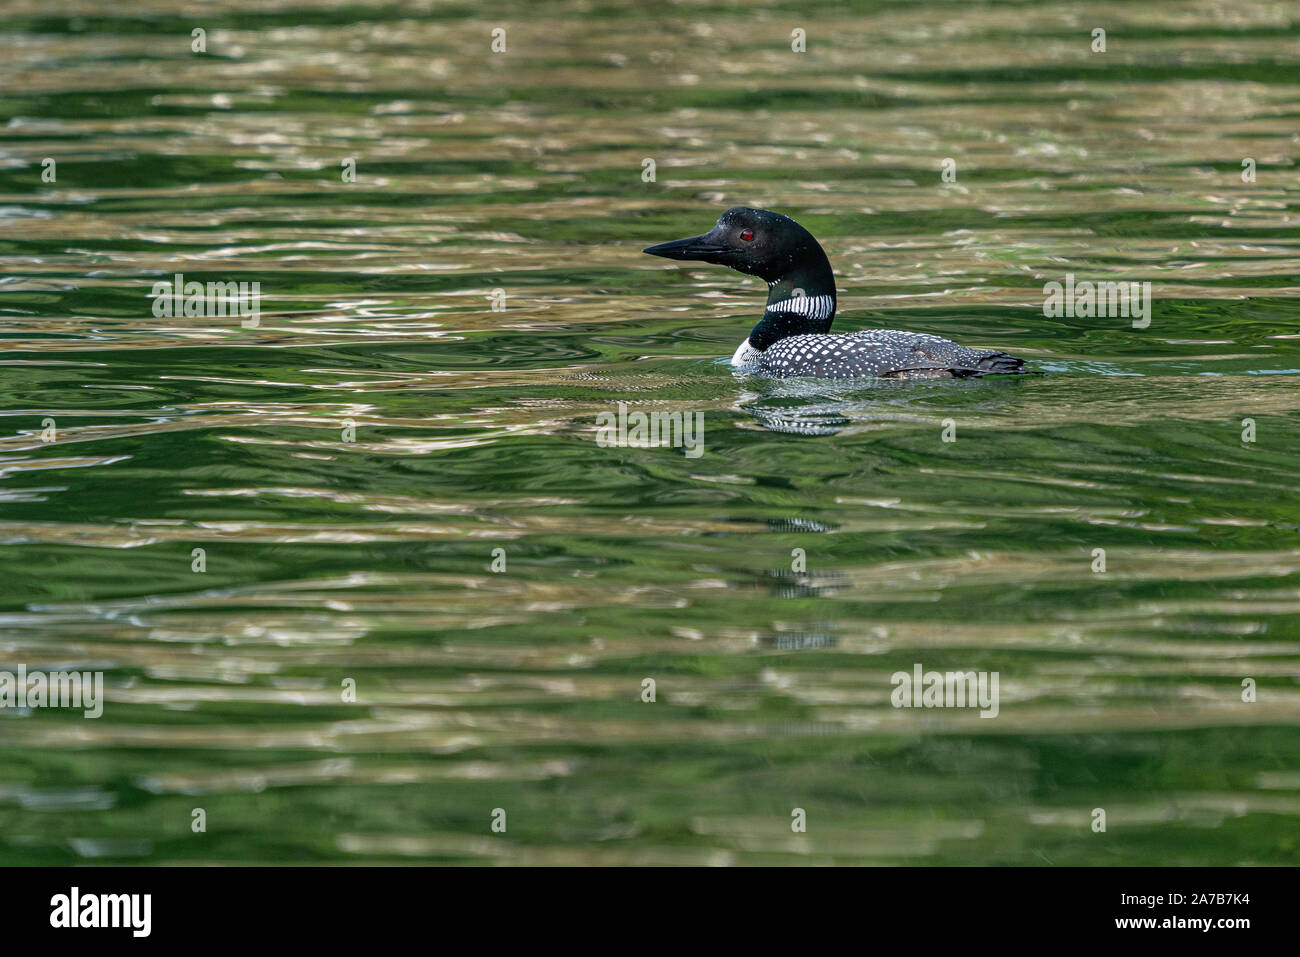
(351, 465)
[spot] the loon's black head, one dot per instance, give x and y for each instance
(755, 241)
(801, 286)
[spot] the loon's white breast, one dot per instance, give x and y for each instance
(745, 355)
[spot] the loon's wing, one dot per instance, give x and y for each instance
(880, 352)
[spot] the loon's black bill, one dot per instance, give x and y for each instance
(696, 247)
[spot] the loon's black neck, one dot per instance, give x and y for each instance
(799, 303)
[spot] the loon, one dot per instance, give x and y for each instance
(793, 338)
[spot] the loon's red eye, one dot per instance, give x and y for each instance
(746, 234)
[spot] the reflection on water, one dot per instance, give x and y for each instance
(396, 487)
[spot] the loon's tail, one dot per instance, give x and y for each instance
(994, 363)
